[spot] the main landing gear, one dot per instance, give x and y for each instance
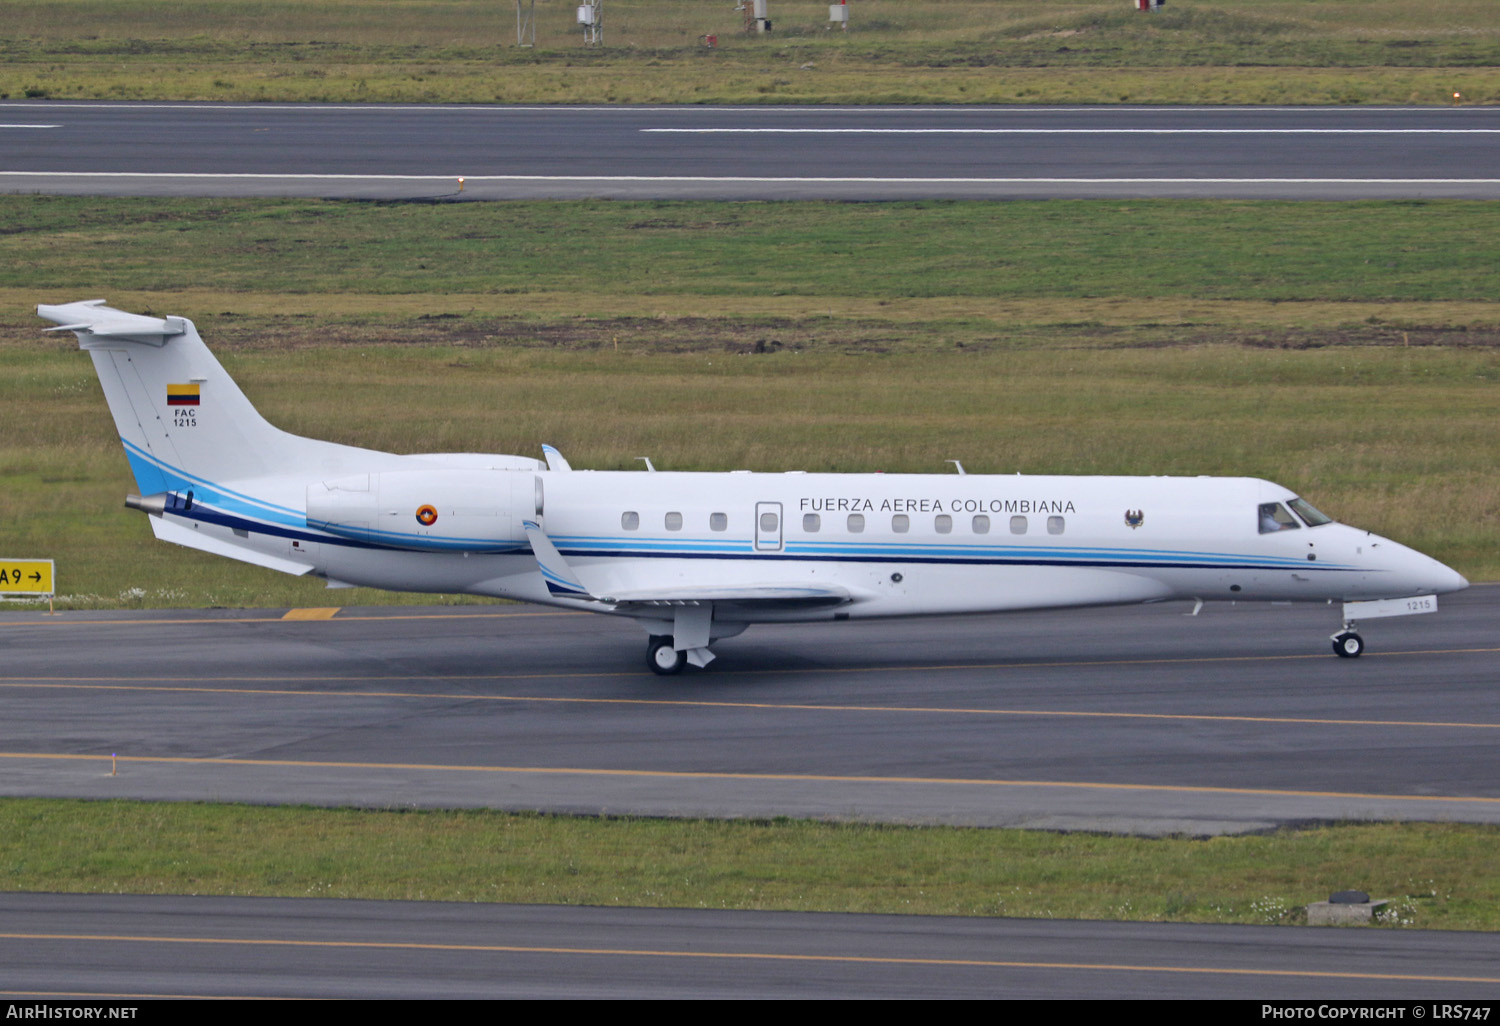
(693, 629)
(1346, 643)
(662, 657)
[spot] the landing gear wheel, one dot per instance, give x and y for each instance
(663, 658)
(1348, 645)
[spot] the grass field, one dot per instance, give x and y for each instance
(1345, 350)
(1436, 876)
(898, 51)
(1298, 252)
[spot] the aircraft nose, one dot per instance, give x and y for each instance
(1436, 578)
(1413, 572)
(1449, 579)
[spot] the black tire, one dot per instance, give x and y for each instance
(663, 659)
(1348, 645)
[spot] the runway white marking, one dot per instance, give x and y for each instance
(219, 176)
(30, 126)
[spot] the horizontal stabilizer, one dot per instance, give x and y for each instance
(181, 534)
(94, 318)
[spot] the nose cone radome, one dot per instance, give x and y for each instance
(1448, 579)
(1403, 571)
(1426, 576)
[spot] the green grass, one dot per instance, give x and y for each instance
(1280, 252)
(1397, 440)
(899, 51)
(1348, 351)
(1437, 876)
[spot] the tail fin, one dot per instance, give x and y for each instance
(182, 419)
(193, 440)
(214, 474)
(179, 414)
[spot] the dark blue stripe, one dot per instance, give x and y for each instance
(953, 560)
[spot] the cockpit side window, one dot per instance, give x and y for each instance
(1274, 517)
(1310, 516)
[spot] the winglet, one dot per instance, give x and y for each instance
(555, 459)
(559, 576)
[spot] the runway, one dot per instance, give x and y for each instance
(746, 153)
(140, 948)
(1141, 720)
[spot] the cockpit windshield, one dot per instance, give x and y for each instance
(1310, 516)
(1274, 517)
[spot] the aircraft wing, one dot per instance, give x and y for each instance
(563, 581)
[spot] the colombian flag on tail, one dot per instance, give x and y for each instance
(182, 395)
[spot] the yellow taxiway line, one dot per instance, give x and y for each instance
(768, 956)
(821, 778)
(166, 685)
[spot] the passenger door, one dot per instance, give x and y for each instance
(768, 527)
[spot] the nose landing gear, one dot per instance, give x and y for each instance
(1347, 644)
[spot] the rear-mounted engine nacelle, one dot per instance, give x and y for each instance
(450, 510)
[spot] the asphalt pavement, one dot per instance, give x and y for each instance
(685, 152)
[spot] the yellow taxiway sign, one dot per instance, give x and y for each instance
(26, 576)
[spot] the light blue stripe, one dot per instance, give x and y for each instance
(146, 467)
(208, 492)
(585, 544)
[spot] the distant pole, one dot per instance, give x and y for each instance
(762, 16)
(526, 22)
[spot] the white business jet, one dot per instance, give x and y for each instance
(697, 557)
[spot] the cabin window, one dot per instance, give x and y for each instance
(943, 524)
(1310, 516)
(674, 521)
(1017, 525)
(981, 524)
(1274, 517)
(856, 523)
(718, 521)
(900, 523)
(811, 522)
(1056, 525)
(768, 522)
(630, 521)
